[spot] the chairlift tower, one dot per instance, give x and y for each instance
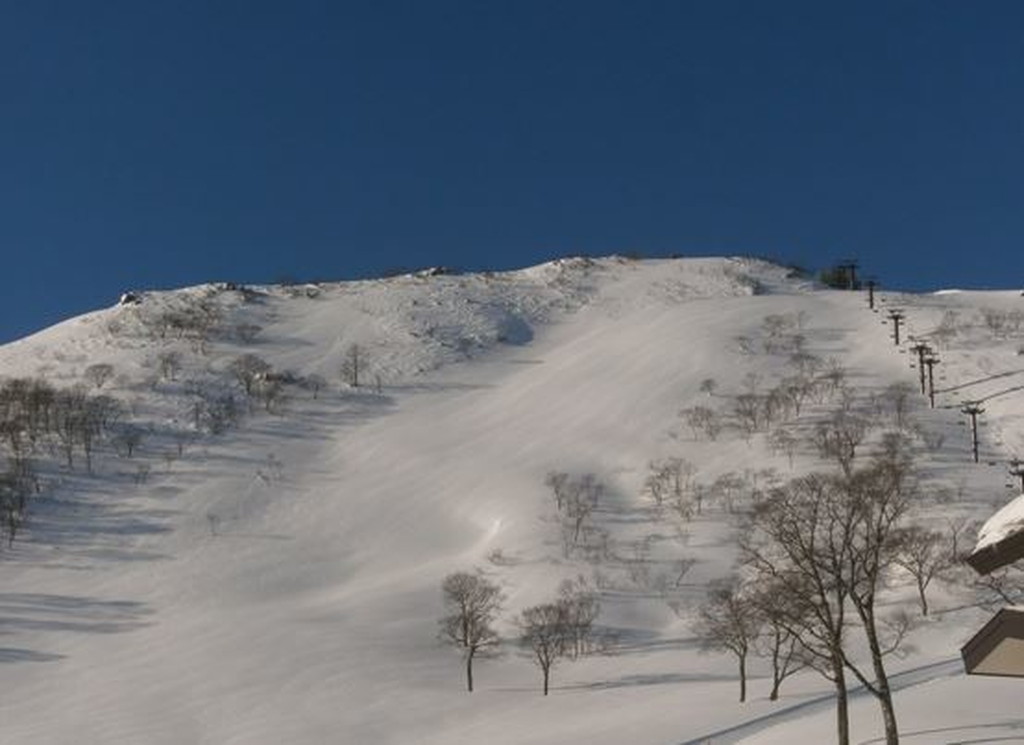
(896, 316)
(922, 350)
(930, 361)
(973, 409)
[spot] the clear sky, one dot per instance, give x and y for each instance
(166, 143)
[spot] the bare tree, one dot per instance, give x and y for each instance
(97, 375)
(127, 438)
(544, 631)
(687, 500)
(353, 364)
(783, 441)
(576, 499)
(805, 363)
(169, 363)
(950, 326)
(838, 437)
(781, 332)
(777, 641)
(745, 344)
(797, 389)
(776, 325)
(269, 389)
(925, 555)
(581, 606)
(69, 419)
(776, 406)
(699, 493)
(708, 386)
(834, 376)
(794, 545)
(26, 413)
(216, 412)
(825, 543)
(194, 322)
(101, 415)
(747, 409)
(182, 438)
(247, 369)
(582, 502)
(996, 321)
(702, 420)
(727, 487)
(314, 384)
(895, 400)
(879, 498)
(558, 482)
(728, 621)
(472, 603)
(682, 568)
(106, 412)
(1003, 586)
(14, 492)
(668, 480)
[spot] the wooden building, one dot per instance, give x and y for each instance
(998, 648)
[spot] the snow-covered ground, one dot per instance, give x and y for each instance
(280, 582)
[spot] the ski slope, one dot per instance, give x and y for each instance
(279, 582)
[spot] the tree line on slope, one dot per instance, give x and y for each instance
(820, 554)
(41, 422)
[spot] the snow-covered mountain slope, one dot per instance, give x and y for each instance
(279, 581)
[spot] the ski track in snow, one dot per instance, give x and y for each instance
(737, 734)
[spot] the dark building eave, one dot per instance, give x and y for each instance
(997, 555)
(995, 649)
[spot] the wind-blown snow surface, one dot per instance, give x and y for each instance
(279, 583)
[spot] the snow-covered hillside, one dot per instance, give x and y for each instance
(267, 569)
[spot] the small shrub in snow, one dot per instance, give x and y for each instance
(313, 383)
(708, 386)
(97, 375)
(127, 438)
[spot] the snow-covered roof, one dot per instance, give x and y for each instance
(1001, 539)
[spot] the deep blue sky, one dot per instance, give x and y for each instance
(159, 144)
